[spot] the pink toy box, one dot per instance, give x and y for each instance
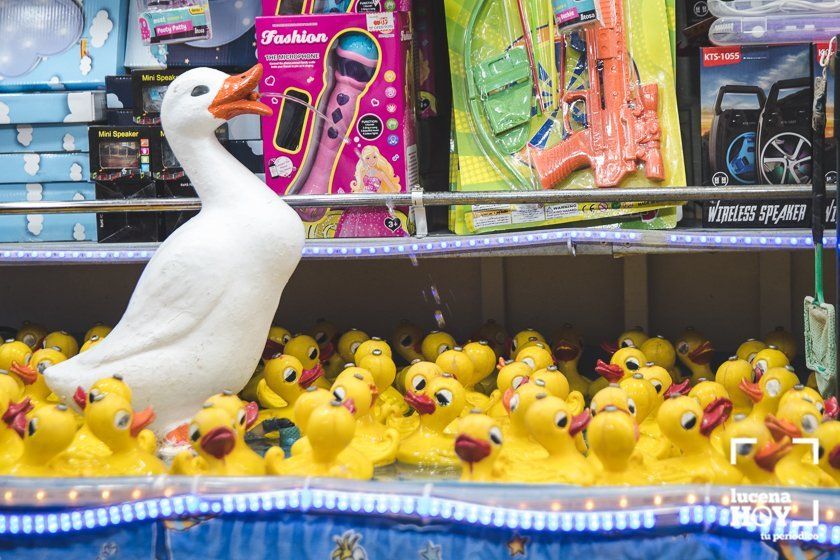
(294, 7)
(356, 69)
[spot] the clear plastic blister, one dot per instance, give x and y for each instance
(557, 123)
(174, 21)
(775, 30)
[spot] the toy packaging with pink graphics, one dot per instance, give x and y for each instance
(356, 71)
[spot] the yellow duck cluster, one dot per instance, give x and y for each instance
(503, 409)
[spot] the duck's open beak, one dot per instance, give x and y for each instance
(611, 372)
(752, 390)
(471, 450)
(272, 349)
(141, 420)
(350, 405)
(25, 373)
(609, 347)
(327, 352)
(579, 423)
(832, 409)
(769, 455)
(218, 442)
(682, 388)
(781, 428)
(703, 354)
(565, 352)
(252, 411)
(237, 96)
(80, 398)
(715, 414)
(15, 415)
(421, 403)
(310, 376)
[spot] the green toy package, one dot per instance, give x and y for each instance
(540, 108)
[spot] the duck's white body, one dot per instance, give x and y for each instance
(197, 321)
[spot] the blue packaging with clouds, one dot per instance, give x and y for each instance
(47, 227)
(44, 168)
(43, 138)
(52, 107)
(61, 44)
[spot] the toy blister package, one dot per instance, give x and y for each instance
(539, 107)
(297, 7)
(355, 71)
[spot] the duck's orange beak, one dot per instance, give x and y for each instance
(252, 411)
(25, 373)
(781, 428)
(237, 96)
(141, 420)
(471, 450)
(769, 455)
(579, 423)
(752, 390)
(611, 372)
(715, 414)
(80, 398)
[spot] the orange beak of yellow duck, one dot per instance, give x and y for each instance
(141, 420)
(752, 390)
(782, 428)
(771, 452)
(238, 96)
(25, 373)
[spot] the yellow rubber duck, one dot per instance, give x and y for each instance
(520, 447)
(483, 359)
(306, 403)
(48, 432)
(748, 349)
(784, 341)
(510, 377)
(90, 343)
(245, 415)
(695, 352)
(284, 380)
(555, 426)
(684, 422)
(612, 395)
(349, 342)
(478, 445)
(652, 444)
(14, 422)
(416, 378)
(800, 467)
(331, 429)
(276, 341)
(768, 391)
(32, 335)
(306, 350)
(438, 404)
(15, 353)
(436, 343)
(112, 420)
(730, 375)
(367, 348)
(661, 352)
(631, 338)
(407, 341)
(612, 437)
(757, 452)
(801, 392)
(496, 335)
(213, 435)
(459, 364)
(829, 451)
(536, 354)
(624, 363)
(99, 330)
(706, 392)
(389, 401)
(642, 398)
(568, 348)
(62, 341)
(523, 337)
(32, 374)
(659, 377)
(770, 357)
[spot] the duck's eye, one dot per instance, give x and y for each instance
(339, 393)
(443, 348)
(286, 338)
(354, 347)
(773, 387)
(820, 452)
(751, 357)
(593, 409)
(199, 91)
(820, 407)
(406, 341)
(809, 423)
(517, 381)
(682, 347)
(418, 383)
(122, 419)
(514, 402)
(632, 364)
(32, 427)
(240, 417)
(321, 338)
(530, 361)
(513, 344)
(195, 433)
(29, 340)
(761, 365)
(496, 435)
(627, 343)
(688, 420)
(42, 366)
(561, 420)
(94, 395)
(744, 448)
(26, 358)
(444, 397)
(312, 353)
(289, 375)
(656, 385)
(631, 406)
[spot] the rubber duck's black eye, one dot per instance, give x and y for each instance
(93, 396)
(199, 91)
(496, 435)
(820, 452)
(656, 385)
(313, 353)
(419, 383)
(321, 338)
(744, 448)
(561, 420)
(444, 397)
(122, 419)
(406, 341)
(290, 375)
(339, 393)
(632, 364)
(32, 427)
(240, 417)
(195, 433)
(688, 420)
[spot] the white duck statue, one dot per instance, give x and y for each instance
(197, 321)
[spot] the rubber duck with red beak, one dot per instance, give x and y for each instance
(14, 421)
(438, 405)
(478, 446)
(623, 364)
(567, 348)
(696, 352)
(213, 433)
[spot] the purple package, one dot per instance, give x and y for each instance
(425, 52)
(297, 7)
(357, 70)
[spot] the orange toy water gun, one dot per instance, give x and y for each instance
(622, 122)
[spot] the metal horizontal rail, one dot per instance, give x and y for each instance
(673, 195)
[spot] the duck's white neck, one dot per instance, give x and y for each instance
(218, 178)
